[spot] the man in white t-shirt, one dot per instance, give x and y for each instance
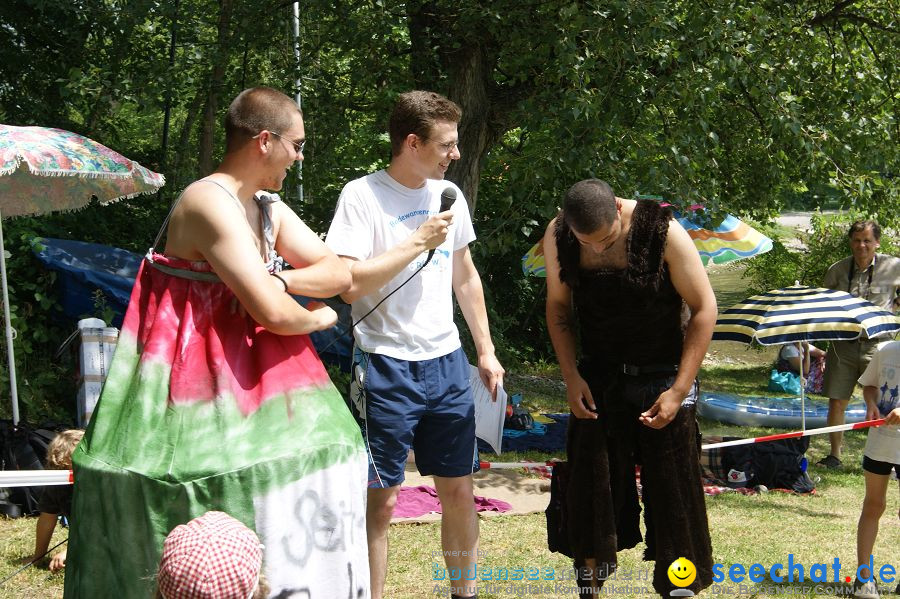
(410, 379)
(881, 390)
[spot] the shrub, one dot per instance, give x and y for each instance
(824, 243)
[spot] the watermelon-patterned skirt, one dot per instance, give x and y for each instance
(202, 410)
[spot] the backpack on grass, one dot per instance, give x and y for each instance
(777, 464)
(23, 448)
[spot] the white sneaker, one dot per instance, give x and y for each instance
(867, 591)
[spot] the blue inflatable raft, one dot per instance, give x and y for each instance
(775, 412)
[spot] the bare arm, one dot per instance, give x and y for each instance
(805, 370)
(870, 395)
(374, 273)
(209, 223)
(317, 271)
(561, 326)
(470, 296)
(43, 533)
(690, 281)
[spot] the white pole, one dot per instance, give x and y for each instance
(296, 24)
(14, 393)
(35, 478)
(802, 388)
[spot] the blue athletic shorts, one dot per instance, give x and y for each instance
(426, 405)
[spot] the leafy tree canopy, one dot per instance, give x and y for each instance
(743, 106)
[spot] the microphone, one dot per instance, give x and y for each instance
(448, 196)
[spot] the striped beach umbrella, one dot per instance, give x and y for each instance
(800, 313)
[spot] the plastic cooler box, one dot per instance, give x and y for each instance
(98, 343)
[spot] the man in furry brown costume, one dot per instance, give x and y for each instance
(627, 267)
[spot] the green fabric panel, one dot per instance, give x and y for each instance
(134, 428)
(145, 466)
(123, 517)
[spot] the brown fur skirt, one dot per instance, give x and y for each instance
(602, 503)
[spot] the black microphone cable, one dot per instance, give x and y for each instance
(33, 561)
(448, 196)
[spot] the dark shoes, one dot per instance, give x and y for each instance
(830, 462)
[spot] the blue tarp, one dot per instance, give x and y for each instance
(84, 268)
(553, 437)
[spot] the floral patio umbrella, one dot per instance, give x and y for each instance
(44, 170)
(731, 240)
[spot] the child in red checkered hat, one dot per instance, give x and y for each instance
(213, 556)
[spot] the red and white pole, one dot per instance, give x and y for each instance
(540, 466)
(35, 478)
(796, 434)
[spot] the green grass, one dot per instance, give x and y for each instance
(728, 283)
(761, 529)
(17, 542)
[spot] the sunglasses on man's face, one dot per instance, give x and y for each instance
(298, 145)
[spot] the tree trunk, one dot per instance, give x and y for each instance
(461, 62)
(184, 138)
(217, 76)
(478, 131)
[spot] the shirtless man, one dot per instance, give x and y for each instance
(626, 267)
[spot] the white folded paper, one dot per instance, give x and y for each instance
(489, 415)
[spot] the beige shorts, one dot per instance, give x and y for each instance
(845, 362)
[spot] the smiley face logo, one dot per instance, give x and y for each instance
(682, 572)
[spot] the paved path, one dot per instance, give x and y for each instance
(800, 222)
(796, 220)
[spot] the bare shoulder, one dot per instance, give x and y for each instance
(556, 289)
(199, 198)
(209, 205)
(677, 239)
(286, 221)
(551, 228)
(681, 254)
(281, 211)
(674, 225)
(550, 242)
(204, 214)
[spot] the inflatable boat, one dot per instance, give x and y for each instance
(775, 412)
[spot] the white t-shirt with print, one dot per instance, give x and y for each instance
(883, 372)
(375, 213)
